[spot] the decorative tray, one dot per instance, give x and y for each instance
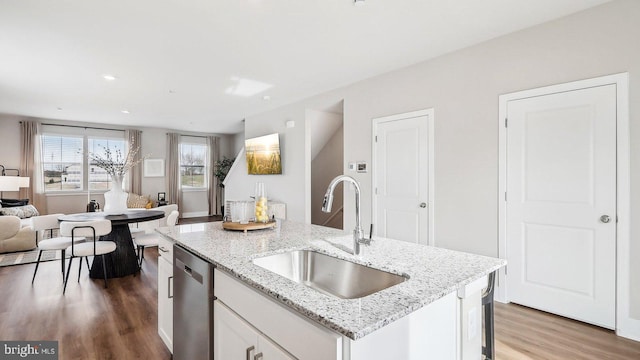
(249, 226)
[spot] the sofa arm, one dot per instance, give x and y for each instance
(26, 233)
(24, 239)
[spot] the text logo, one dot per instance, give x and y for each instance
(46, 350)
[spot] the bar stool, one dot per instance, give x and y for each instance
(489, 349)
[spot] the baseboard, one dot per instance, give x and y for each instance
(194, 214)
(630, 329)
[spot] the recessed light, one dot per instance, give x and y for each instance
(125, 112)
(108, 77)
(266, 98)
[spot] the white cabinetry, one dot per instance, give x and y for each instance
(245, 318)
(298, 336)
(236, 339)
(165, 292)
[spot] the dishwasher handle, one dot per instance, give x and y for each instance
(181, 266)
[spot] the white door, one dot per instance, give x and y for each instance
(561, 203)
(401, 178)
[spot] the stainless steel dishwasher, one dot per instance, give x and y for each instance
(192, 306)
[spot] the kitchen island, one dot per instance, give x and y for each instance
(436, 311)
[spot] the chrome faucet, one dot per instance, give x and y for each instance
(358, 235)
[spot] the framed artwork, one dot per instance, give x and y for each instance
(162, 196)
(153, 167)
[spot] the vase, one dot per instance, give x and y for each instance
(115, 200)
(261, 203)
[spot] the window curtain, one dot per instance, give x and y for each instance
(30, 165)
(214, 191)
(134, 140)
(172, 170)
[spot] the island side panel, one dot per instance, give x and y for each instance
(428, 333)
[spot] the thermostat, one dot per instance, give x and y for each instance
(361, 167)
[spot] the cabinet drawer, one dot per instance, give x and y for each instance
(278, 323)
(165, 249)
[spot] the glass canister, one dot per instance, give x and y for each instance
(261, 203)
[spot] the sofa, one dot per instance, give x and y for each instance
(19, 208)
(14, 237)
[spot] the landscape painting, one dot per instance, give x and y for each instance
(263, 155)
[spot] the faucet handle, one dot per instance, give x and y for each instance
(371, 232)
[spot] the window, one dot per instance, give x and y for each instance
(98, 178)
(62, 162)
(65, 166)
(193, 169)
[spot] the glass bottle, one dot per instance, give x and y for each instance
(261, 203)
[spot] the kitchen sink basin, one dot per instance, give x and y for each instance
(329, 275)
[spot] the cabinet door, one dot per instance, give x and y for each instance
(233, 338)
(165, 302)
(271, 351)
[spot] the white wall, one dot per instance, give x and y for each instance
(463, 88)
(153, 144)
(288, 187)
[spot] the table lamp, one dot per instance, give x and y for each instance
(12, 183)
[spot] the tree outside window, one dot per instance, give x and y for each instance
(193, 168)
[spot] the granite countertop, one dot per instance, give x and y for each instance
(433, 272)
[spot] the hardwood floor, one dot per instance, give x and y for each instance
(120, 322)
(200, 219)
(89, 321)
(523, 333)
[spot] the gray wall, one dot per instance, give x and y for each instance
(324, 167)
(463, 88)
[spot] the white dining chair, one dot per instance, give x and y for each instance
(91, 230)
(49, 223)
(151, 239)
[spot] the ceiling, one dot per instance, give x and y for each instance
(199, 65)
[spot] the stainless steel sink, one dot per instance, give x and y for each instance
(329, 275)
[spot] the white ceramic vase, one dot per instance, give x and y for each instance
(115, 200)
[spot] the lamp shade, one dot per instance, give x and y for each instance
(10, 183)
(23, 181)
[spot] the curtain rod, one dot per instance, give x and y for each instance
(197, 136)
(81, 127)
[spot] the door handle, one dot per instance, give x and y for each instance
(605, 218)
(249, 350)
(169, 287)
(257, 356)
(423, 205)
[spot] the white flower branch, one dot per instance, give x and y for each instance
(116, 163)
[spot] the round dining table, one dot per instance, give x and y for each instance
(123, 261)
